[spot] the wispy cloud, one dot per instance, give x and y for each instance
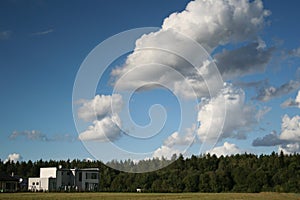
(268, 93)
(4, 35)
(39, 136)
(291, 102)
(43, 32)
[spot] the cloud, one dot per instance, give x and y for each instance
(106, 122)
(243, 61)
(4, 35)
(210, 24)
(166, 152)
(271, 139)
(14, 157)
(176, 143)
(289, 148)
(290, 128)
(292, 103)
(176, 139)
(294, 52)
(266, 94)
(262, 112)
(39, 136)
(217, 23)
(252, 84)
(289, 138)
(226, 150)
(99, 107)
(43, 32)
(231, 121)
(104, 130)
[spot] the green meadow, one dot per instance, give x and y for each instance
(153, 196)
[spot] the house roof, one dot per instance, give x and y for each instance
(6, 177)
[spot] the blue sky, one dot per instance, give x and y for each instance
(43, 44)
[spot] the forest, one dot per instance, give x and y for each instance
(204, 173)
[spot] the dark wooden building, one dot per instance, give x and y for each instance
(8, 183)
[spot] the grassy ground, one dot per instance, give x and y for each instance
(152, 196)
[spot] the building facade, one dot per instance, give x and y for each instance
(53, 179)
(8, 183)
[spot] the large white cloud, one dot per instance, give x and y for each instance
(106, 129)
(103, 111)
(226, 150)
(213, 23)
(14, 157)
(210, 23)
(231, 121)
(290, 128)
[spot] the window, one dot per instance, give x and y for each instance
(37, 183)
(91, 175)
(33, 183)
(94, 176)
(80, 176)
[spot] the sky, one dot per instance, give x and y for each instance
(220, 78)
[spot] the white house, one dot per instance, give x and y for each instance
(46, 181)
(53, 179)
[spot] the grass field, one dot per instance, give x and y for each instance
(152, 196)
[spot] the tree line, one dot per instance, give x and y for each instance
(204, 173)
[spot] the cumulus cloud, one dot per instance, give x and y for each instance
(14, 157)
(290, 128)
(4, 35)
(214, 23)
(230, 121)
(39, 136)
(210, 24)
(226, 150)
(271, 139)
(175, 140)
(106, 122)
(166, 152)
(289, 148)
(266, 94)
(243, 61)
(99, 107)
(104, 130)
(291, 102)
(289, 138)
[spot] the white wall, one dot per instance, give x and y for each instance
(38, 184)
(34, 184)
(48, 172)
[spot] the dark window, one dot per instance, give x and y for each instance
(37, 183)
(80, 176)
(94, 176)
(33, 183)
